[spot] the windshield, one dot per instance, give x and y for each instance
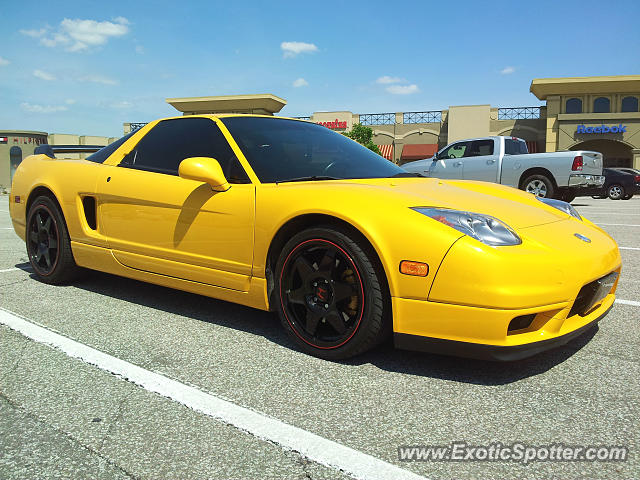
(289, 150)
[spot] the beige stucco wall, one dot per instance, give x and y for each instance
(322, 117)
(468, 121)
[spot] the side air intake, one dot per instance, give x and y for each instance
(89, 206)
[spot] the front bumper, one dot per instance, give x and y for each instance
(585, 180)
(550, 329)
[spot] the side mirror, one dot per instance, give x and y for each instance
(204, 169)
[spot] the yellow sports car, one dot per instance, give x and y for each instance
(348, 248)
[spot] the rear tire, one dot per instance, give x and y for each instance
(568, 196)
(539, 185)
(615, 192)
(48, 244)
(330, 294)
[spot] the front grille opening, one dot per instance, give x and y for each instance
(520, 323)
(583, 300)
(592, 294)
(89, 206)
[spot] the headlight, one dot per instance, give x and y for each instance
(562, 206)
(484, 228)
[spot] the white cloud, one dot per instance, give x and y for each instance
(69, 101)
(4, 62)
(98, 79)
(77, 35)
(300, 82)
(403, 89)
(122, 21)
(43, 75)
(291, 49)
(121, 105)
(34, 108)
(139, 49)
(507, 70)
(386, 79)
(35, 33)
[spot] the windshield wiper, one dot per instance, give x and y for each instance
(310, 178)
(406, 174)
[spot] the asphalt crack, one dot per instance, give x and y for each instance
(116, 419)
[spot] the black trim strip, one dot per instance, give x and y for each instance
(481, 351)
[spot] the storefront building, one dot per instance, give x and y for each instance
(14, 146)
(593, 113)
(580, 113)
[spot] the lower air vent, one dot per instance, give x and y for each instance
(89, 205)
(520, 323)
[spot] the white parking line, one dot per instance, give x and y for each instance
(15, 269)
(629, 248)
(628, 302)
(619, 224)
(312, 446)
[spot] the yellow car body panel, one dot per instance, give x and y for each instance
(181, 234)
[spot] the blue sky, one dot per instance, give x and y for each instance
(86, 67)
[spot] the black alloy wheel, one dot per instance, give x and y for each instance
(44, 240)
(329, 296)
(48, 244)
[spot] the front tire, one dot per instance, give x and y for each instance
(615, 192)
(48, 244)
(539, 185)
(330, 294)
(568, 196)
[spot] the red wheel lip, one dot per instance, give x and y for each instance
(355, 268)
(34, 264)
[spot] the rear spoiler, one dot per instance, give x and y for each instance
(51, 150)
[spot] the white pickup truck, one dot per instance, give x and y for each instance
(507, 160)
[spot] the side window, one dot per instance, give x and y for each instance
(456, 150)
(573, 105)
(480, 148)
(515, 147)
(171, 141)
(101, 155)
(601, 105)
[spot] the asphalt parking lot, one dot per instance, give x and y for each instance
(63, 417)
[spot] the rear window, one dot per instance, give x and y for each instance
(515, 147)
(101, 155)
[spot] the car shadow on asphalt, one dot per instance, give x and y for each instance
(267, 325)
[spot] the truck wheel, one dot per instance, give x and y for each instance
(615, 192)
(539, 185)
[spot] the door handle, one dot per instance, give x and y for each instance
(457, 164)
(489, 162)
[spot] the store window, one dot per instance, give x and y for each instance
(601, 105)
(573, 105)
(630, 104)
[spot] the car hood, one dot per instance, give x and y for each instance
(516, 208)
